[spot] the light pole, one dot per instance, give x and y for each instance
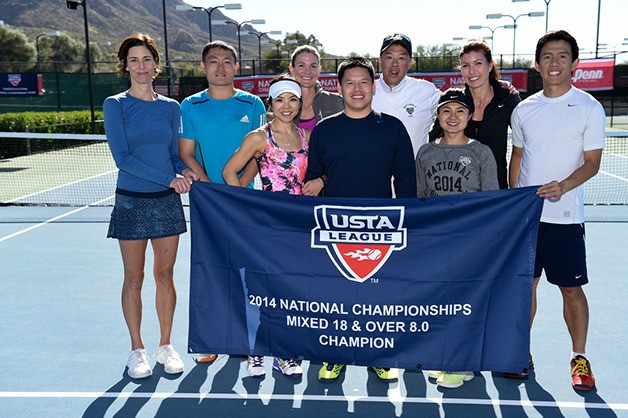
(168, 72)
(228, 6)
(259, 43)
(226, 22)
(514, 31)
(597, 31)
(73, 5)
(478, 27)
(277, 44)
(55, 33)
(547, 2)
(239, 25)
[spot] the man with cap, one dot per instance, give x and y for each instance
(411, 100)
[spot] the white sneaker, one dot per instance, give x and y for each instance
(138, 364)
(255, 366)
(167, 356)
(288, 367)
(434, 374)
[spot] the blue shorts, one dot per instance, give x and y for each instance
(142, 216)
(560, 251)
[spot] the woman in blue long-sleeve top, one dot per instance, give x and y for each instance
(142, 131)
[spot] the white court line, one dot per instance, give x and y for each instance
(614, 176)
(322, 398)
(63, 215)
(17, 199)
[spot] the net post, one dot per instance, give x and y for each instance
(27, 142)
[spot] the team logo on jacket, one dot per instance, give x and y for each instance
(465, 161)
(359, 240)
(410, 108)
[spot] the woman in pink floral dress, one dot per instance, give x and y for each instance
(280, 149)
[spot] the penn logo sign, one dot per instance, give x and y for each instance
(359, 240)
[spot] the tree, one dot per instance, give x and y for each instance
(277, 58)
(14, 47)
(67, 51)
(61, 48)
(436, 57)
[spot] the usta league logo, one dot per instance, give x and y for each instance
(359, 240)
(14, 79)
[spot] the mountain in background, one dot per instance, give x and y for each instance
(112, 20)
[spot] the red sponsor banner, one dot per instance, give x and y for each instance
(446, 79)
(594, 75)
(258, 84)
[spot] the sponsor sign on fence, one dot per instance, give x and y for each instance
(21, 84)
(594, 75)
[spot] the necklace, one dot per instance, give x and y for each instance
(286, 140)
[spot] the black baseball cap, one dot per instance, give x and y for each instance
(458, 96)
(399, 39)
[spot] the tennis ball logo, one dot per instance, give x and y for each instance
(374, 255)
(365, 254)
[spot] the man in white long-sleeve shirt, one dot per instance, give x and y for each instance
(411, 100)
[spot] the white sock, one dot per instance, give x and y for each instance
(573, 355)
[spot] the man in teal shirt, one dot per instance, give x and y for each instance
(214, 121)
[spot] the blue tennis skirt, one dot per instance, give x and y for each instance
(140, 216)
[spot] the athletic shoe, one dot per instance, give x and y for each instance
(581, 374)
(385, 374)
(171, 360)
(138, 364)
(434, 374)
(454, 379)
(206, 358)
(520, 375)
(255, 366)
(288, 367)
(330, 372)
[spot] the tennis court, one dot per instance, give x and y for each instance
(64, 342)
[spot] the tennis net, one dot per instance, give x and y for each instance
(78, 170)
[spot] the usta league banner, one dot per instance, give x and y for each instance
(441, 283)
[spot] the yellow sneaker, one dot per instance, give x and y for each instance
(386, 374)
(454, 379)
(330, 372)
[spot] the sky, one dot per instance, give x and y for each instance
(344, 26)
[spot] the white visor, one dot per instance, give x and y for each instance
(284, 86)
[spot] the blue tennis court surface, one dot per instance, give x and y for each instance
(64, 344)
